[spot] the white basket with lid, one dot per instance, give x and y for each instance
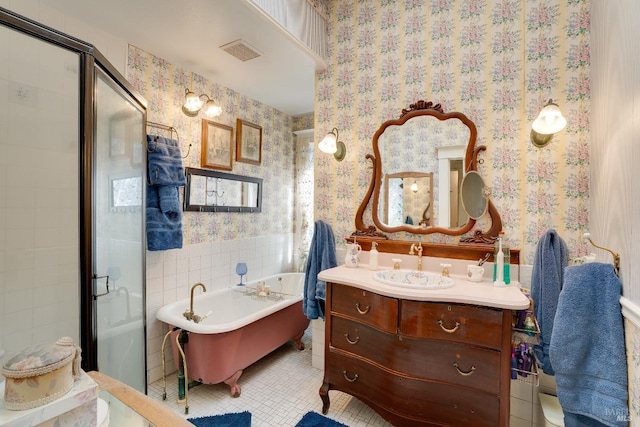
(41, 374)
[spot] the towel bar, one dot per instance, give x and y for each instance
(171, 129)
(616, 256)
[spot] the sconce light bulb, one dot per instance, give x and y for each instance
(550, 120)
(211, 109)
(414, 187)
(328, 144)
(331, 145)
(192, 101)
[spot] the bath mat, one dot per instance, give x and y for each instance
(313, 419)
(236, 419)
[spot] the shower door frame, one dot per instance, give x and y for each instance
(90, 59)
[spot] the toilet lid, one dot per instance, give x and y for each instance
(551, 409)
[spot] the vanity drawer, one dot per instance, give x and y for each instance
(364, 341)
(364, 306)
(416, 399)
(453, 322)
(449, 362)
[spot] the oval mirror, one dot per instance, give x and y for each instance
(472, 194)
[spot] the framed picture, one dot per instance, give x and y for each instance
(217, 143)
(248, 142)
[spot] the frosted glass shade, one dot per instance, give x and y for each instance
(328, 144)
(211, 109)
(549, 121)
(192, 102)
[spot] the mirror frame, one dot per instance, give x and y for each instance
(190, 207)
(424, 108)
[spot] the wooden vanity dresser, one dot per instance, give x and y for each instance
(417, 362)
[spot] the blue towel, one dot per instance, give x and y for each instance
(169, 199)
(166, 174)
(164, 227)
(322, 256)
(546, 283)
(165, 161)
(588, 349)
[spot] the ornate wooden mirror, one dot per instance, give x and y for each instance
(425, 140)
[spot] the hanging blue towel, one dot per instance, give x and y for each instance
(588, 349)
(165, 161)
(164, 229)
(546, 283)
(322, 256)
(169, 199)
(166, 174)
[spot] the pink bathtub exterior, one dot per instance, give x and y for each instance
(212, 358)
(232, 338)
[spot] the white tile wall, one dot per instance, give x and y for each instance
(38, 204)
(170, 275)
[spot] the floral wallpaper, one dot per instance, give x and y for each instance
(302, 122)
(163, 84)
(632, 337)
(496, 61)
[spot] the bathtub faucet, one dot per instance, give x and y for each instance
(189, 314)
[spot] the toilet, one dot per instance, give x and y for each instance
(103, 413)
(552, 411)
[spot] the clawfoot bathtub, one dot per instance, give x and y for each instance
(239, 329)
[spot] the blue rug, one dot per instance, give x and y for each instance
(238, 419)
(313, 419)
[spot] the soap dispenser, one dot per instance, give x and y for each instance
(373, 256)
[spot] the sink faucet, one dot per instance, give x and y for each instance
(189, 314)
(417, 248)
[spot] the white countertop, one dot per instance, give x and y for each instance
(464, 291)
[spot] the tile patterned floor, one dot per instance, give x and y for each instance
(278, 390)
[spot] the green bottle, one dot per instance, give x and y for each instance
(506, 276)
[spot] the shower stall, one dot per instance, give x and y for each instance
(72, 174)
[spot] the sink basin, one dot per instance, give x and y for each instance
(413, 279)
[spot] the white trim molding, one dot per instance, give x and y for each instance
(630, 311)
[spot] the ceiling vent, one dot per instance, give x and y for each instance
(241, 50)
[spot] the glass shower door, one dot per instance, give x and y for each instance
(118, 271)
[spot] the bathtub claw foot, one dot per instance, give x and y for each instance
(232, 382)
(298, 340)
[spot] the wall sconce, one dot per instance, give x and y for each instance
(414, 187)
(331, 145)
(549, 122)
(194, 103)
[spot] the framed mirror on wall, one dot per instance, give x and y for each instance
(211, 191)
(428, 142)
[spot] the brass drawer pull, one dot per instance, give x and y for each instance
(365, 311)
(355, 377)
(465, 374)
(350, 341)
(449, 331)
